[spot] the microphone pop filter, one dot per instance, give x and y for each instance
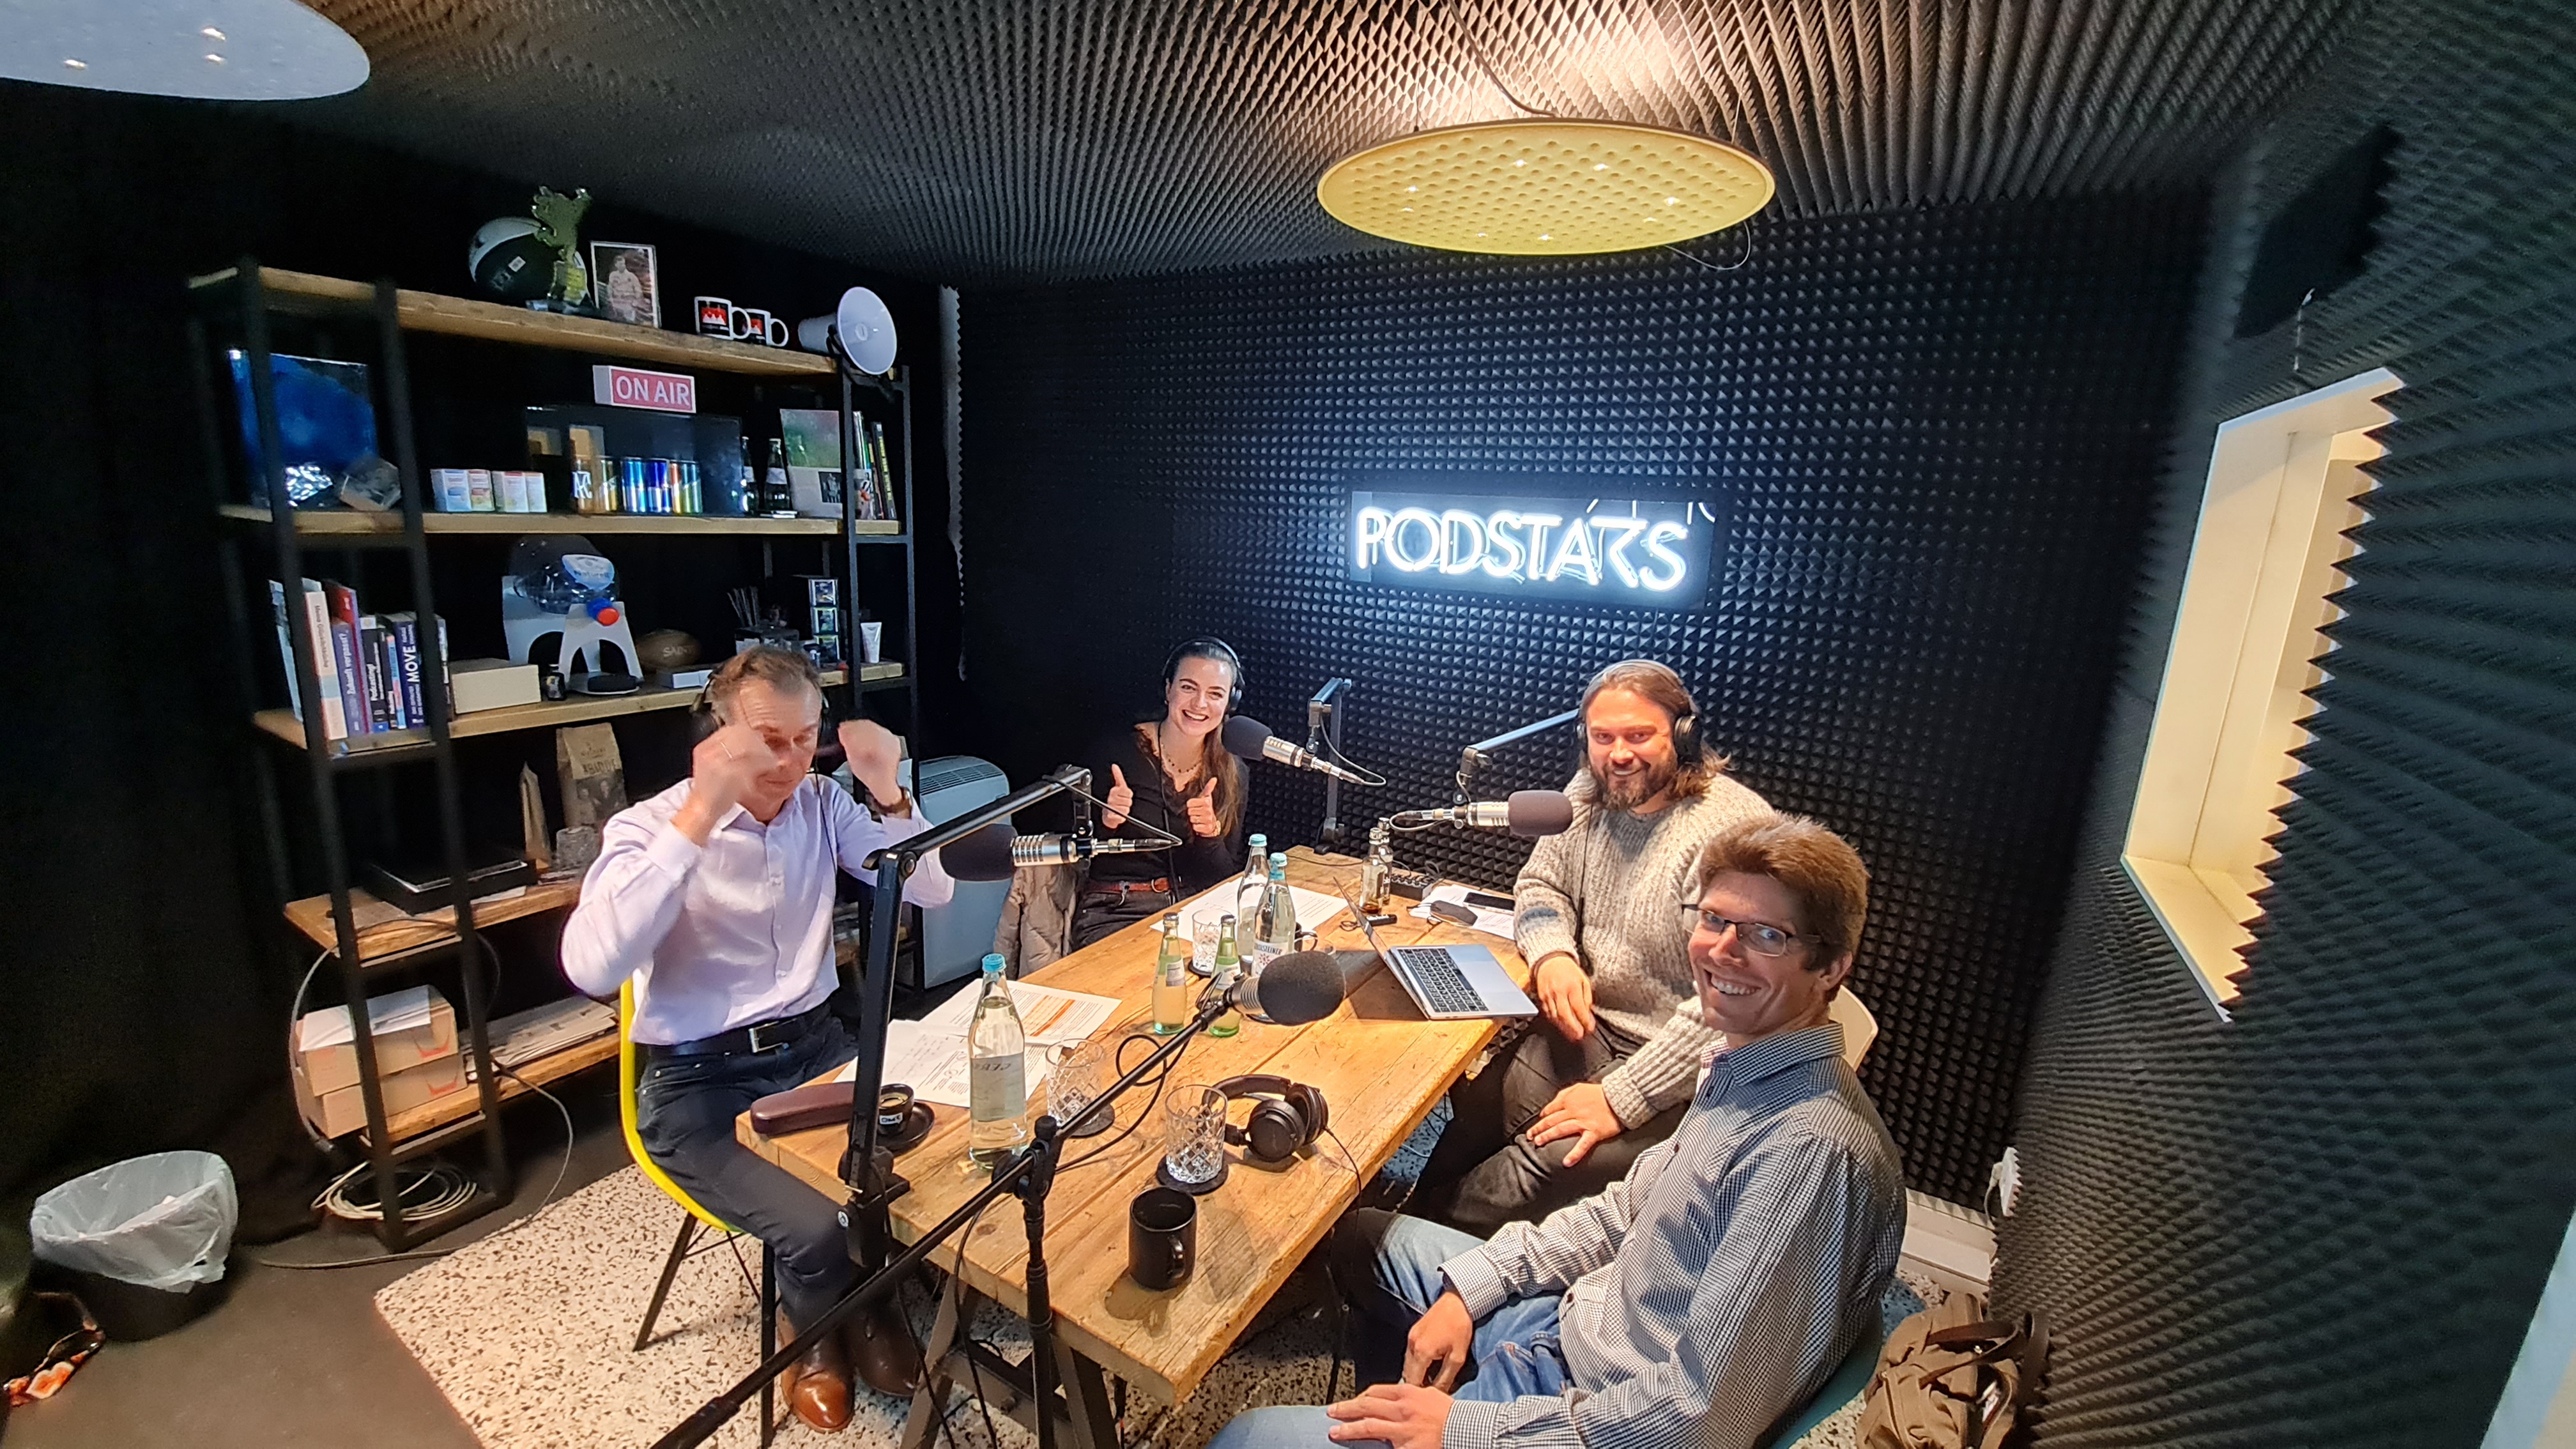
(984, 855)
(1297, 988)
(1245, 737)
(1539, 812)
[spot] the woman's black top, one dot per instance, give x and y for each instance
(1203, 862)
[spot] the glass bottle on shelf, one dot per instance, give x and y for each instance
(997, 1085)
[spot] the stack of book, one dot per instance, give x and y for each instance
(369, 664)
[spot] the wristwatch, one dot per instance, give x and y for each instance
(902, 801)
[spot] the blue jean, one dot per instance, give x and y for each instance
(685, 1109)
(1388, 1268)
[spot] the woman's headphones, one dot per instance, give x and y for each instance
(1687, 749)
(1286, 1116)
(1208, 646)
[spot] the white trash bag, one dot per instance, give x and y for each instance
(163, 1221)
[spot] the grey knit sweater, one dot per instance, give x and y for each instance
(1609, 890)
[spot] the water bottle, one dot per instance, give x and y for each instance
(997, 1090)
(1278, 921)
(1228, 969)
(1172, 980)
(1256, 875)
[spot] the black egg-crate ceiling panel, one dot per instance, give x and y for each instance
(2372, 1162)
(1938, 432)
(994, 139)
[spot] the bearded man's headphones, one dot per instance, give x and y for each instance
(1211, 647)
(1687, 748)
(1286, 1116)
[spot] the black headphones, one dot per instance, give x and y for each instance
(1210, 647)
(827, 745)
(1286, 1116)
(1687, 748)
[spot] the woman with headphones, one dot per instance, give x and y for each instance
(1172, 773)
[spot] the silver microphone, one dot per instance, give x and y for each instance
(1251, 739)
(1527, 812)
(1067, 849)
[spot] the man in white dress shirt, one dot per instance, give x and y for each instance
(715, 898)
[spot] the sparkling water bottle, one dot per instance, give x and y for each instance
(997, 1089)
(1278, 923)
(1256, 875)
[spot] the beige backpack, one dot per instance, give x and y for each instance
(1946, 1380)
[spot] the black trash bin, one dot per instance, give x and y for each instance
(142, 1241)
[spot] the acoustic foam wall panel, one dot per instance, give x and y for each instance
(1939, 429)
(983, 140)
(2327, 1222)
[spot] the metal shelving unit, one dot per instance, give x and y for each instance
(242, 301)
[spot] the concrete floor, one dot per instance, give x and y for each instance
(300, 1358)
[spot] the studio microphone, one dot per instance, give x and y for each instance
(1294, 989)
(1527, 812)
(1252, 740)
(993, 852)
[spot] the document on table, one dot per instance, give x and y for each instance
(1488, 920)
(1314, 908)
(935, 1066)
(1049, 1017)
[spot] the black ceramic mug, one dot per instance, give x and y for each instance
(1162, 1238)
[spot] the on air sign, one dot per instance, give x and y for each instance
(634, 387)
(1655, 555)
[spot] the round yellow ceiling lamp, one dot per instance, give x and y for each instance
(1544, 186)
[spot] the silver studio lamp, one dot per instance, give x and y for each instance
(209, 50)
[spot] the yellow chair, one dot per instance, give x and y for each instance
(693, 1218)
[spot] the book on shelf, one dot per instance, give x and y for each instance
(317, 633)
(370, 664)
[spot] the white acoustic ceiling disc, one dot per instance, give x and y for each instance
(211, 50)
(867, 330)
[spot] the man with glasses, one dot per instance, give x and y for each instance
(1607, 1072)
(1711, 1291)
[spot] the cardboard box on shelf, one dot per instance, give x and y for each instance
(479, 684)
(338, 1113)
(410, 1028)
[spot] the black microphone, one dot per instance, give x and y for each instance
(993, 852)
(1294, 989)
(1252, 740)
(1527, 812)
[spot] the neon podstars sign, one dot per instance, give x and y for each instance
(1654, 555)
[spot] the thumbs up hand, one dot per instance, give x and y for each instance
(1202, 808)
(1121, 800)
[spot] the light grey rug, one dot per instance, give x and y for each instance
(528, 1335)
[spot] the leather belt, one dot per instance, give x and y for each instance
(753, 1040)
(1120, 890)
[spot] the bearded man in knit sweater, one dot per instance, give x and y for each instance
(1608, 1070)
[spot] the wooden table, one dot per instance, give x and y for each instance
(1381, 1068)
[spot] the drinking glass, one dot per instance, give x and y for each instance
(1076, 1081)
(1203, 936)
(1193, 1134)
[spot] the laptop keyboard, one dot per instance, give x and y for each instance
(1442, 984)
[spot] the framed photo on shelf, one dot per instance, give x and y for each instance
(626, 283)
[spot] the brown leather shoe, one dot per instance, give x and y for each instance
(881, 1347)
(817, 1385)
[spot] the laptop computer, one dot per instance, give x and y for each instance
(1452, 983)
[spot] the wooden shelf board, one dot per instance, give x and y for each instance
(430, 1116)
(383, 930)
(493, 322)
(284, 725)
(333, 523)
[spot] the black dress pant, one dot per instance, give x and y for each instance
(685, 1111)
(1485, 1171)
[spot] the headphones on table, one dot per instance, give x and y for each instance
(1687, 748)
(1208, 646)
(1286, 1116)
